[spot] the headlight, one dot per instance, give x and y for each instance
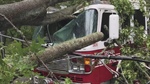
(80, 65)
(82, 68)
(75, 68)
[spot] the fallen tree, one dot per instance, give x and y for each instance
(61, 49)
(58, 51)
(32, 12)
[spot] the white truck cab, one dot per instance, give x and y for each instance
(96, 18)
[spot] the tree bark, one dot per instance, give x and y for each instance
(59, 50)
(20, 13)
(56, 16)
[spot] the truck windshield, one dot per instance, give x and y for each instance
(84, 24)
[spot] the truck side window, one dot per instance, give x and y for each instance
(139, 18)
(105, 25)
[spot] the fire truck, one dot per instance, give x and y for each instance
(81, 70)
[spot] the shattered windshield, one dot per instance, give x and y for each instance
(84, 24)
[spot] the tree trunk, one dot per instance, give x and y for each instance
(59, 50)
(55, 17)
(23, 12)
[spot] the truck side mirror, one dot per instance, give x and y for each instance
(113, 26)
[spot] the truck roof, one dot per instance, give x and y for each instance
(96, 6)
(101, 6)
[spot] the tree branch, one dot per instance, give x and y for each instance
(56, 16)
(57, 51)
(19, 13)
(15, 28)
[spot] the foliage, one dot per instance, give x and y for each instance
(16, 63)
(68, 81)
(135, 35)
(124, 8)
(26, 30)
